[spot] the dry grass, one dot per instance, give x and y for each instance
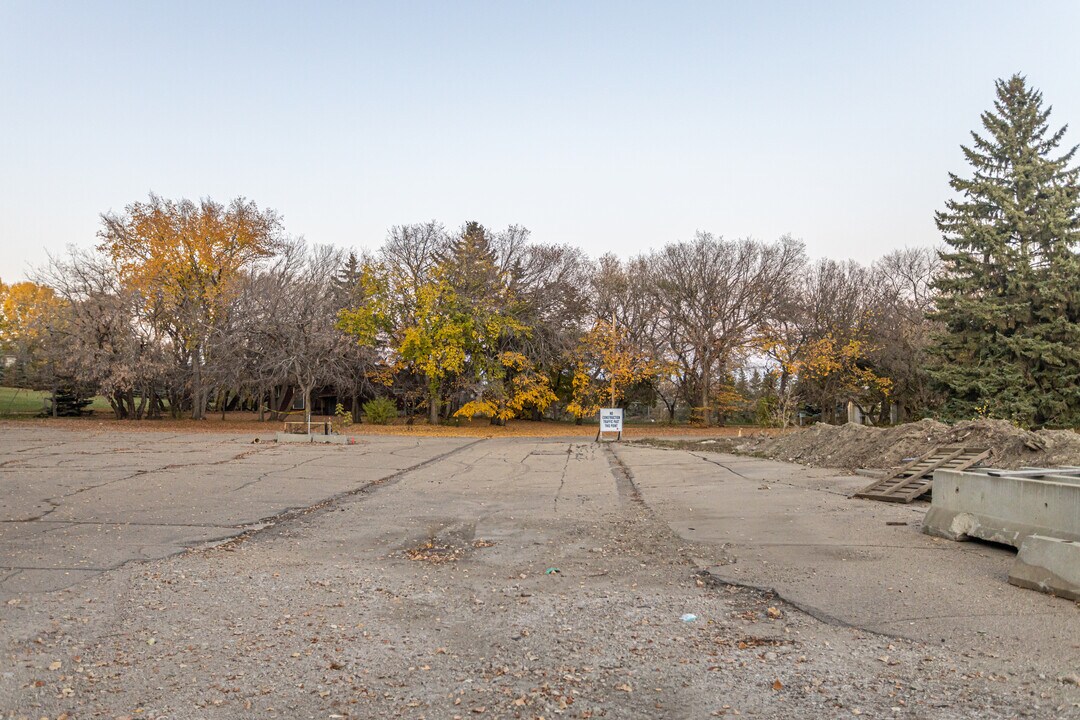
(248, 423)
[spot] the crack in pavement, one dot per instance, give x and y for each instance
(818, 614)
(771, 482)
(720, 464)
(118, 523)
(706, 575)
(268, 473)
(467, 465)
(624, 478)
(223, 540)
(20, 568)
(56, 503)
(562, 477)
(293, 513)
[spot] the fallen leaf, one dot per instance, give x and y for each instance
(777, 685)
(774, 613)
(55, 665)
(624, 687)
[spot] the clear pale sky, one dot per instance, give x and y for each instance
(614, 126)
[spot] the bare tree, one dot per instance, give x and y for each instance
(901, 327)
(312, 348)
(713, 294)
(104, 339)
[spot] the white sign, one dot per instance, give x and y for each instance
(611, 420)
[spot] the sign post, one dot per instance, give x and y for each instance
(610, 422)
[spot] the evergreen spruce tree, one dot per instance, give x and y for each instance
(471, 266)
(346, 282)
(1009, 299)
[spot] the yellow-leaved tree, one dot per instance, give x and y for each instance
(606, 365)
(25, 310)
(30, 315)
(3, 296)
(513, 386)
(837, 368)
(430, 339)
(186, 259)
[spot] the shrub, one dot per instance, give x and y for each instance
(380, 410)
(342, 418)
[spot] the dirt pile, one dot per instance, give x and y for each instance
(854, 446)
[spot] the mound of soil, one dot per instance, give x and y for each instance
(857, 446)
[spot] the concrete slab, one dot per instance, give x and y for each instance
(283, 437)
(1002, 508)
(793, 529)
(1050, 565)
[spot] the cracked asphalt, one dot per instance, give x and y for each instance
(193, 576)
(86, 503)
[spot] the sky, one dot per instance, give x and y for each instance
(612, 126)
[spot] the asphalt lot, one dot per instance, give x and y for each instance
(528, 578)
(73, 505)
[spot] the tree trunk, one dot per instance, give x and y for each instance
(705, 415)
(153, 410)
(112, 403)
(433, 408)
(307, 407)
(198, 397)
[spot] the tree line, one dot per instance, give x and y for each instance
(191, 307)
(188, 307)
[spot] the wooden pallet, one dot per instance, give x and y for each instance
(917, 477)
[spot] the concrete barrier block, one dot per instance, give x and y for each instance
(1002, 508)
(1048, 564)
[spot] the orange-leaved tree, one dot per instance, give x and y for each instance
(186, 260)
